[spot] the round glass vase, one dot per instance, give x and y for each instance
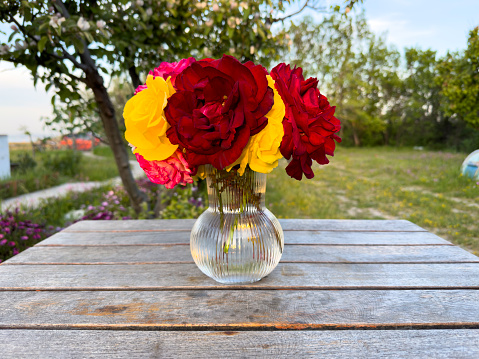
(236, 240)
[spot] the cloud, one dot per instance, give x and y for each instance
(400, 31)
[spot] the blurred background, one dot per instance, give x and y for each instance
(403, 74)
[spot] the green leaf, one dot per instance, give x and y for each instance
(78, 43)
(89, 37)
(42, 43)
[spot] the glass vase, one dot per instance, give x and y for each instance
(236, 240)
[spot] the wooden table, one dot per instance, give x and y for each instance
(344, 288)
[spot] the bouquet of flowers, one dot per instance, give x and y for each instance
(231, 116)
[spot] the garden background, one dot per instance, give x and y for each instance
(409, 116)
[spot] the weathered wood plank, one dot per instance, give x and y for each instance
(241, 309)
(292, 253)
(285, 276)
(290, 237)
(286, 224)
(46, 344)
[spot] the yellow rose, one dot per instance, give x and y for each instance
(262, 151)
(145, 120)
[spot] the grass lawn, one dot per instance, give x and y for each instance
(44, 175)
(385, 183)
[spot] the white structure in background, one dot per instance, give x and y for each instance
(470, 166)
(4, 157)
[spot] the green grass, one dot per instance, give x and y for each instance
(105, 151)
(97, 169)
(385, 183)
(42, 176)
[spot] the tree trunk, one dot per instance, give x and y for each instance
(94, 81)
(107, 113)
(135, 79)
(357, 142)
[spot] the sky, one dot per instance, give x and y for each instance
(441, 25)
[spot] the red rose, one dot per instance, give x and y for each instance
(218, 106)
(309, 123)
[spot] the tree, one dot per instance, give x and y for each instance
(460, 81)
(74, 46)
(423, 114)
(355, 68)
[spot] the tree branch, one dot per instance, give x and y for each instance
(87, 62)
(306, 5)
(67, 55)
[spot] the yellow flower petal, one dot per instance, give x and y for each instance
(145, 120)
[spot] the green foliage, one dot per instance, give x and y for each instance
(382, 98)
(354, 68)
(103, 151)
(31, 181)
(64, 162)
(96, 169)
(55, 168)
(61, 41)
(25, 163)
(460, 81)
(184, 203)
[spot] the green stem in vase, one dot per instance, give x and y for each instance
(230, 237)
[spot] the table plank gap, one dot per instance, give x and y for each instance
(292, 254)
(287, 224)
(290, 237)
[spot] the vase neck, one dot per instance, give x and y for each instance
(230, 192)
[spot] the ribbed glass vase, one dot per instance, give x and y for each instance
(236, 240)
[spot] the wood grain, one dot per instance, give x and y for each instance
(285, 276)
(290, 237)
(43, 344)
(286, 224)
(241, 309)
(291, 254)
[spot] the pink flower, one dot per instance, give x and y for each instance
(167, 69)
(15, 251)
(170, 172)
(140, 88)
(3, 242)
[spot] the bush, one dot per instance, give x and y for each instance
(31, 181)
(25, 163)
(64, 162)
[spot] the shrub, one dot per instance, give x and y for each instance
(25, 163)
(31, 181)
(64, 162)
